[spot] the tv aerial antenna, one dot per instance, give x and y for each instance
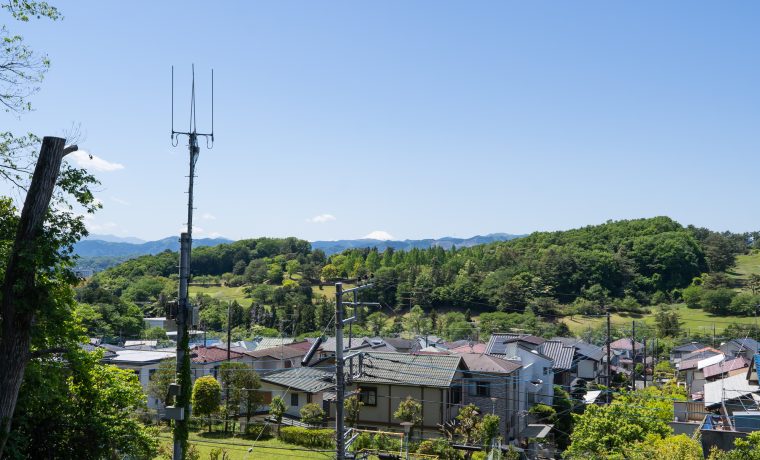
(185, 317)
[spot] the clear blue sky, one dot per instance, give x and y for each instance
(416, 118)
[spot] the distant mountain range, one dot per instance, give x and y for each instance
(332, 247)
(99, 252)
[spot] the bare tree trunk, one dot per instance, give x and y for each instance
(20, 298)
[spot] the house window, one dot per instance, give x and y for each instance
(480, 388)
(294, 399)
(308, 398)
(368, 396)
(456, 394)
(288, 364)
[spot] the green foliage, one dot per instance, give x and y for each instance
(679, 447)
(543, 413)
(312, 414)
(744, 449)
(155, 333)
(438, 447)
(352, 409)
(409, 410)
(81, 408)
(667, 323)
(604, 431)
(277, 409)
(315, 439)
(158, 387)
(258, 430)
(241, 380)
(207, 394)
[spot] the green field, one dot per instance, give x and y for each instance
(745, 266)
(237, 447)
(693, 320)
(223, 293)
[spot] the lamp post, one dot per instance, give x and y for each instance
(493, 405)
(407, 428)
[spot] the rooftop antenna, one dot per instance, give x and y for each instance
(185, 317)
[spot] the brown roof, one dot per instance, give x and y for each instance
(202, 355)
(471, 348)
(487, 363)
(625, 344)
(726, 367)
(282, 352)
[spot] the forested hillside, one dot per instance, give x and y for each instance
(623, 265)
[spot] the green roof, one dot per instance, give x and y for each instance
(308, 379)
(404, 369)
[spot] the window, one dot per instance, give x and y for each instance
(368, 396)
(294, 399)
(308, 398)
(480, 388)
(456, 394)
(288, 364)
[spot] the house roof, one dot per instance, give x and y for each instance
(728, 388)
(404, 369)
(139, 357)
(584, 349)
(402, 344)
(691, 360)
(725, 367)
(625, 344)
(469, 348)
(202, 355)
(283, 352)
(536, 431)
(261, 343)
(358, 343)
(308, 379)
(710, 360)
(748, 343)
(137, 343)
(689, 347)
(561, 355)
(506, 346)
(506, 337)
(485, 363)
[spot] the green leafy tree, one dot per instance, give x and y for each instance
(312, 414)
(277, 409)
(415, 322)
(409, 410)
(376, 321)
(744, 449)
(242, 382)
(680, 447)
(207, 395)
(489, 430)
(352, 407)
(158, 387)
(74, 407)
(156, 333)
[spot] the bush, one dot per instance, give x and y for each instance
(439, 447)
(259, 430)
(320, 439)
(543, 413)
(312, 414)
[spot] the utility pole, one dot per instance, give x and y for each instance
(229, 343)
(645, 362)
(609, 376)
(633, 354)
(340, 390)
(184, 309)
(339, 377)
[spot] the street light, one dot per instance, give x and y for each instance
(493, 404)
(407, 428)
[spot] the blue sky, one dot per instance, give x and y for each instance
(414, 118)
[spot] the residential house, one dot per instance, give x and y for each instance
(691, 365)
(298, 386)
(492, 384)
(206, 360)
(746, 347)
(384, 379)
(143, 363)
(734, 393)
(726, 368)
(627, 351)
(282, 357)
(677, 353)
(160, 322)
(327, 348)
(536, 375)
(562, 360)
(587, 360)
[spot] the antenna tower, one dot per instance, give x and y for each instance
(185, 316)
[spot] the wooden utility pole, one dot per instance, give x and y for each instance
(21, 297)
(633, 354)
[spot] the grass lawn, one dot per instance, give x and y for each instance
(223, 293)
(746, 265)
(237, 447)
(328, 290)
(694, 320)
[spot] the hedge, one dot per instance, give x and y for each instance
(321, 438)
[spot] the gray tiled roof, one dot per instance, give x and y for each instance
(559, 353)
(404, 369)
(480, 362)
(308, 379)
(583, 348)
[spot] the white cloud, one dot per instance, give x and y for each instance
(321, 219)
(120, 201)
(85, 159)
(379, 235)
(208, 216)
(97, 227)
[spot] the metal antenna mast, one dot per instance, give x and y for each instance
(184, 309)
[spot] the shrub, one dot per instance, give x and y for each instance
(259, 430)
(321, 439)
(312, 414)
